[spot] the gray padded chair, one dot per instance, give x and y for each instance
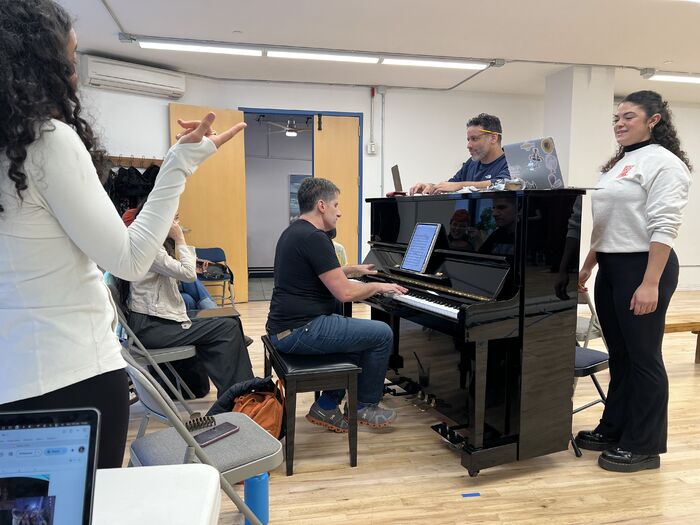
(247, 453)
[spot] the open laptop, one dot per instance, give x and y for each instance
(535, 161)
(47, 466)
(398, 187)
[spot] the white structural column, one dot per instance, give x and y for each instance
(578, 108)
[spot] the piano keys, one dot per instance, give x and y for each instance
(487, 318)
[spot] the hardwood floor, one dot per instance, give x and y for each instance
(406, 474)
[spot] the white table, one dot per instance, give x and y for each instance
(173, 494)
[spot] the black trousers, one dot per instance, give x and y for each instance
(109, 393)
(219, 342)
(636, 412)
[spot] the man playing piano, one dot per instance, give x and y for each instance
(487, 162)
(308, 282)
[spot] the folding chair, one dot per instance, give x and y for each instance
(154, 357)
(247, 453)
(589, 361)
(587, 328)
(223, 275)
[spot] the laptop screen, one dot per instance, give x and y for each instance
(47, 466)
(397, 177)
(420, 247)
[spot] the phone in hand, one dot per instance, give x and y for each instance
(213, 435)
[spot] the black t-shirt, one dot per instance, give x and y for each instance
(303, 253)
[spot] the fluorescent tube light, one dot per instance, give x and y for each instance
(199, 48)
(323, 56)
(434, 63)
(671, 77)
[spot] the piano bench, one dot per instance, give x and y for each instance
(313, 373)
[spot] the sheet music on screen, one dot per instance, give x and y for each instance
(420, 247)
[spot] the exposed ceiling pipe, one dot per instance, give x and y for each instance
(382, 147)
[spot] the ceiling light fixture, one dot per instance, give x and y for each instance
(291, 133)
(688, 78)
(199, 48)
(302, 55)
(434, 63)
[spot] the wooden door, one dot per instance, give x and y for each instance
(336, 158)
(213, 205)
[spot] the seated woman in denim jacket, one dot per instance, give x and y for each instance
(158, 316)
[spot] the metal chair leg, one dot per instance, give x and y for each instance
(576, 448)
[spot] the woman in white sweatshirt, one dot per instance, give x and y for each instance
(636, 216)
(58, 348)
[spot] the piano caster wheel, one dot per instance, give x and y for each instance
(421, 395)
(473, 473)
(432, 400)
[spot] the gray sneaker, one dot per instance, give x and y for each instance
(330, 419)
(375, 416)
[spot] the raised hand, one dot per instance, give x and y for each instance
(195, 130)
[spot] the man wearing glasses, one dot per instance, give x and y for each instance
(487, 162)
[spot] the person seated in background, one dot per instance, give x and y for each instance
(158, 316)
(308, 283)
(195, 294)
(487, 162)
(462, 235)
(340, 252)
(502, 239)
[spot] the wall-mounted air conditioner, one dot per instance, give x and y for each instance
(123, 76)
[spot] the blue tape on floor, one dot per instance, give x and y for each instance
(471, 494)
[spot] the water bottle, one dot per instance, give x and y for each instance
(256, 496)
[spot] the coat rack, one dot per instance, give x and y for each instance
(128, 161)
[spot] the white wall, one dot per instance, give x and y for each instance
(425, 131)
(687, 120)
(270, 159)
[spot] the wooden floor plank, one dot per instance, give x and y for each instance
(406, 474)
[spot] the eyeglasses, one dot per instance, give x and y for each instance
(477, 138)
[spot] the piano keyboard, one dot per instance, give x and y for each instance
(436, 306)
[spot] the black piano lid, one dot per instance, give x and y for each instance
(478, 195)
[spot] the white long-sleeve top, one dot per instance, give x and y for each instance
(639, 201)
(56, 315)
(157, 293)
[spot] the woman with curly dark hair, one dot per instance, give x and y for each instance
(57, 343)
(637, 212)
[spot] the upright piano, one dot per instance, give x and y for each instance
(486, 335)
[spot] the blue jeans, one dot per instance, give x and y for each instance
(196, 296)
(370, 342)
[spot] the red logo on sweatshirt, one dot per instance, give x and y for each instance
(625, 171)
